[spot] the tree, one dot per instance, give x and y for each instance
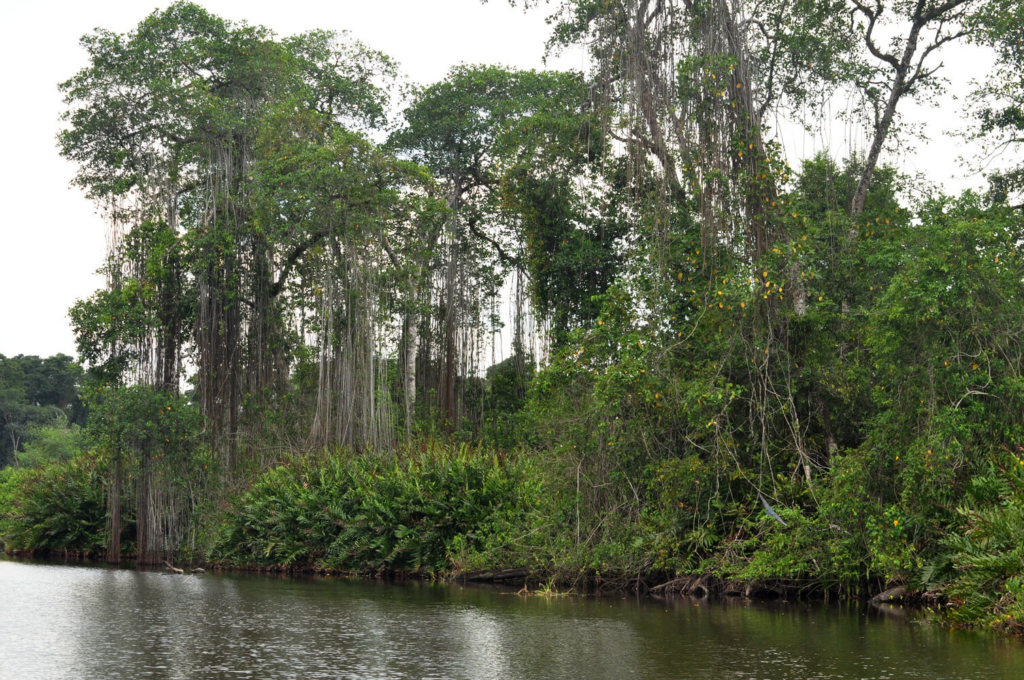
(486, 133)
(58, 440)
(888, 75)
(997, 103)
(248, 212)
(164, 125)
(150, 436)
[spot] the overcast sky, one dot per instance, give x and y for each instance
(52, 241)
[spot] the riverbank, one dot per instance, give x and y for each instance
(452, 513)
(528, 583)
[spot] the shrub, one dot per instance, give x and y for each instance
(369, 513)
(58, 507)
(982, 569)
(56, 441)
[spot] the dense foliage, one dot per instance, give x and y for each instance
(417, 513)
(56, 509)
(719, 363)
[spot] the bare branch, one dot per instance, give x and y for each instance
(868, 34)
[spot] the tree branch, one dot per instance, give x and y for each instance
(868, 37)
(505, 257)
(290, 261)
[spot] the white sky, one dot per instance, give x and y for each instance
(52, 241)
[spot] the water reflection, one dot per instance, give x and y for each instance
(72, 621)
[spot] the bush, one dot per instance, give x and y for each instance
(369, 513)
(58, 507)
(982, 569)
(53, 442)
(10, 479)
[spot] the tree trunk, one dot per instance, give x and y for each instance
(881, 131)
(412, 345)
(142, 494)
(447, 386)
(899, 81)
(114, 513)
(797, 289)
(826, 423)
(448, 375)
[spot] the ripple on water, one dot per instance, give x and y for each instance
(74, 621)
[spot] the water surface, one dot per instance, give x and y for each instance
(75, 621)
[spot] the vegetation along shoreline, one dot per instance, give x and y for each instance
(590, 326)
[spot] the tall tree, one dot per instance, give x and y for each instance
(487, 133)
(904, 68)
(187, 131)
(164, 126)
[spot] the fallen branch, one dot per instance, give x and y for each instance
(669, 584)
(499, 575)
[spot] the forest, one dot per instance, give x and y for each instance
(592, 329)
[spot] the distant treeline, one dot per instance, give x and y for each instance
(41, 411)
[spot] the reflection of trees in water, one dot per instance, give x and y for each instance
(75, 622)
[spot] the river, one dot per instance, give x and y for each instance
(78, 621)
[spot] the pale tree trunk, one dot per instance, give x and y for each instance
(826, 422)
(114, 510)
(448, 377)
(412, 346)
(798, 440)
(447, 391)
(798, 291)
(881, 132)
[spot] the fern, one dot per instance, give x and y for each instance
(358, 514)
(981, 568)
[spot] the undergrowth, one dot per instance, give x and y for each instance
(420, 512)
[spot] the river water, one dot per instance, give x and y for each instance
(75, 621)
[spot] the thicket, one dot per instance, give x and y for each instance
(56, 509)
(424, 512)
(715, 363)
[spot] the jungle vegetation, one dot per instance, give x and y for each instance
(715, 362)
(41, 410)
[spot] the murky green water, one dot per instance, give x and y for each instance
(72, 621)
